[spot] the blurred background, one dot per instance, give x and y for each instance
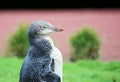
(104, 22)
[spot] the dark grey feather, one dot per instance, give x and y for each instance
(38, 66)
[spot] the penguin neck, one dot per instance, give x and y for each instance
(47, 37)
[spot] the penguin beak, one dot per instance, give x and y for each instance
(57, 29)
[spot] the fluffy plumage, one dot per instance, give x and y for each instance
(43, 62)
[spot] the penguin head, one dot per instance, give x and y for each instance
(40, 28)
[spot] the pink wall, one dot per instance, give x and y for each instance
(106, 22)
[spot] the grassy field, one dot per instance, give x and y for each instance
(82, 71)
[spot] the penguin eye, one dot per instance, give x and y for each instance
(44, 27)
(41, 28)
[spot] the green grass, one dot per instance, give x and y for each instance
(9, 69)
(82, 71)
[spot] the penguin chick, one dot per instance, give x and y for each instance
(43, 62)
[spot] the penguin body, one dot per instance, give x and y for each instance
(43, 62)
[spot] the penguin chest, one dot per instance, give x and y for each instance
(57, 56)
